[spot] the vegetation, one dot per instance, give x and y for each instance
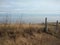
(29, 34)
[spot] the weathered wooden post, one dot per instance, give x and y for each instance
(29, 25)
(21, 20)
(6, 20)
(46, 26)
(57, 26)
(30, 29)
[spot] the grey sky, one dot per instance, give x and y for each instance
(30, 6)
(37, 8)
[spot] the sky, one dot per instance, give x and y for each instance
(30, 6)
(37, 8)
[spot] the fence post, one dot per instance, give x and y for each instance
(21, 21)
(29, 24)
(46, 26)
(57, 26)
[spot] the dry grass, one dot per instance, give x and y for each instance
(25, 34)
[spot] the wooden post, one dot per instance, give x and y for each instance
(46, 27)
(29, 25)
(57, 26)
(6, 22)
(21, 20)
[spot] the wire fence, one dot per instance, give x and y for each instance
(26, 19)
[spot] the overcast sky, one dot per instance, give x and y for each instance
(30, 6)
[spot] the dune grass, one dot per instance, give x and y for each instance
(25, 34)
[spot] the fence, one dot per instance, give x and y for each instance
(7, 20)
(46, 29)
